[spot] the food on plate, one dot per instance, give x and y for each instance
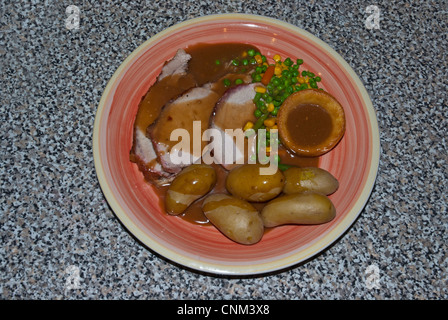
(195, 104)
(234, 217)
(309, 179)
(311, 122)
(192, 183)
(247, 183)
(298, 208)
(172, 81)
(216, 117)
(232, 112)
(211, 68)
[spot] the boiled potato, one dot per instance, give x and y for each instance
(247, 183)
(192, 183)
(298, 208)
(235, 218)
(309, 179)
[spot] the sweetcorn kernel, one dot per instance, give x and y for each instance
(260, 89)
(249, 125)
(278, 71)
(270, 122)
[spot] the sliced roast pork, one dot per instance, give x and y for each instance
(187, 118)
(177, 133)
(172, 81)
(231, 113)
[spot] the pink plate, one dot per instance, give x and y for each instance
(354, 161)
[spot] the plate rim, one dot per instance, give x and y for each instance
(272, 266)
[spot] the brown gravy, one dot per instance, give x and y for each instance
(202, 69)
(309, 124)
(210, 62)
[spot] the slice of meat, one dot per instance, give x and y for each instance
(231, 113)
(172, 81)
(189, 114)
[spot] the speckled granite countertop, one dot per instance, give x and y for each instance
(56, 225)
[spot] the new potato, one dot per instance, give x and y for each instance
(298, 208)
(309, 179)
(235, 218)
(246, 182)
(192, 183)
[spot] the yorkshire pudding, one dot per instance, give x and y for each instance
(311, 122)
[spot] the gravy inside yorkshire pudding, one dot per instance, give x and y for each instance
(311, 122)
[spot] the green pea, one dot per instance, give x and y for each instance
(283, 167)
(318, 79)
(239, 81)
(258, 78)
(276, 81)
(235, 62)
(259, 123)
(299, 61)
(286, 73)
(257, 97)
(217, 62)
(226, 82)
(257, 113)
(251, 52)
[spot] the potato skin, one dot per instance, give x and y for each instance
(192, 183)
(298, 208)
(247, 183)
(309, 179)
(235, 218)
